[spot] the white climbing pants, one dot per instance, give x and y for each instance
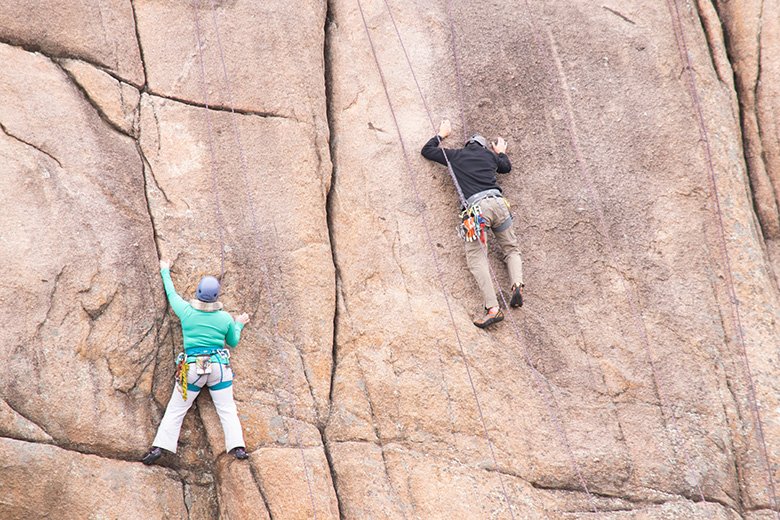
(168, 432)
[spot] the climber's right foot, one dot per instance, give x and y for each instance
(154, 454)
(517, 296)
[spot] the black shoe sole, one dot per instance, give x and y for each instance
(517, 299)
(488, 322)
(240, 456)
(150, 458)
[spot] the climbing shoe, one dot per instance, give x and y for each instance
(154, 454)
(239, 453)
(491, 316)
(517, 296)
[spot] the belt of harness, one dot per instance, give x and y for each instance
(202, 364)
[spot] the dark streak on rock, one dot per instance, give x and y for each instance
(332, 470)
(44, 152)
(68, 56)
(102, 115)
(618, 14)
(51, 302)
(140, 47)
(217, 108)
(259, 484)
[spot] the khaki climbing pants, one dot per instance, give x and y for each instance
(222, 395)
(496, 212)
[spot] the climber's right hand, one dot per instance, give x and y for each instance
(445, 128)
(165, 264)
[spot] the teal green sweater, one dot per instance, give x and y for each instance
(202, 331)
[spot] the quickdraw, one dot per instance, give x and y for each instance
(472, 225)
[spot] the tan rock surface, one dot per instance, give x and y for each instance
(259, 39)
(81, 316)
(635, 125)
(352, 388)
(753, 37)
(40, 480)
(117, 101)
(101, 32)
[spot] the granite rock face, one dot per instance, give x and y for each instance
(255, 140)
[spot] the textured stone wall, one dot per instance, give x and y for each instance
(257, 137)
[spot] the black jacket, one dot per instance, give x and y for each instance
(474, 167)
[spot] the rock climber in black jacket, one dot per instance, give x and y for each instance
(475, 167)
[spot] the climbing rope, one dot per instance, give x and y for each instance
(685, 57)
(669, 420)
(634, 306)
(456, 63)
(539, 378)
(436, 260)
(214, 187)
(253, 220)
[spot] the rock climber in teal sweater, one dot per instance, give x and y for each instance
(207, 329)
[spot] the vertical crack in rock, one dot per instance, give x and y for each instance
(713, 34)
(259, 485)
(31, 145)
(762, 193)
(331, 468)
(140, 47)
(756, 94)
(734, 425)
(184, 498)
(329, 217)
(331, 196)
(51, 300)
(378, 434)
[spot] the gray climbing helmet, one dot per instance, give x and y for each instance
(476, 138)
(208, 289)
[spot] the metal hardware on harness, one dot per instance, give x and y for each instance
(473, 224)
(224, 356)
(203, 365)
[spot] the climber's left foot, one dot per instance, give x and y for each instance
(154, 454)
(239, 453)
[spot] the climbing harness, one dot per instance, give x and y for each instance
(253, 221)
(474, 224)
(685, 57)
(203, 365)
